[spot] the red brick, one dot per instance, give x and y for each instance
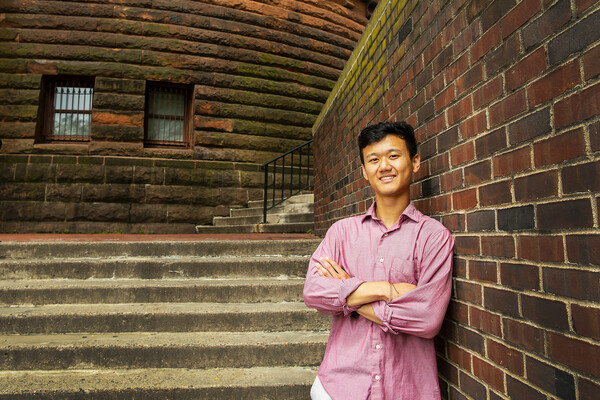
(552, 379)
(460, 110)
(482, 220)
(451, 180)
(440, 204)
(456, 223)
(491, 142)
(588, 390)
(575, 353)
(487, 93)
(447, 139)
(530, 126)
(458, 312)
(433, 49)
(506, 357)
(565, 146)
(582, 5)
(472, 387)
(519, 15)
(510, 163)
(459, 356)
(462, 153)
(483, 271)
(583, 249)
(457, 68)
(507, 108)
(581, 178)
(465, 199)
(545, 312)
(494, 12)
(478, 173)
(526, 69)
(488, 373)
(498, 246)
(470, 339)
(519, 390)
(439, 163)
(502, 56)
(555, 83)
(520, 276)
(595, 136)
(466, 291)
(540, 248)
(444, 98)
(536, 186)
(567, 214)
(435, 86)
(485, 43)
(551, 20)
(466, 245)
(469, 79)
(524, 335)
(572, 283)
(577, 107)
(473, 125)
(495, 193)
(459, 265)
(586, 321)
(454, 28)
(448, 372)
(504, 301)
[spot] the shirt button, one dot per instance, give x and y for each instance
(385, 234)
(377, 377)
(381, 260)
(378, 347)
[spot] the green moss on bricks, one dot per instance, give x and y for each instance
(153, 29)
(128, 86)
(270, 59)
(272, 130)
(13, 66)
(20, 81)
(19, 96)
(279, 74)
(18, 113)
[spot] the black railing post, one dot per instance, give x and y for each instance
(301, 187)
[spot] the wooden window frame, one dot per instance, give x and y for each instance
(187, 91)
(49, 110)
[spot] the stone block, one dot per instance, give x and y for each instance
(20, 81)
(23, 113)
(120, 101)
(119, 174)
(49, 211)
(252, 179)
(113, 193)
(190, 214)
(79, 173)
(117, 133)
(205, 196)
(15, 146)
(148, 213)
(168, 194)
(40, 173)
(149, 175)
(233, 196)
(116, 148)
(208, 178)
(103, 212)
(117, 118)
(67, 192)
(22, 192)
(7, 172)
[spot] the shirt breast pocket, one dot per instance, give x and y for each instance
(403, 271)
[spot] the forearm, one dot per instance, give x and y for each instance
(367, 312)
(369, 292)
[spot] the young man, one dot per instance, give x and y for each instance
(386, 278)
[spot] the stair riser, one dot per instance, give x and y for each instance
(291, 208)
(289, 392)
(271, 218)
(157, 322)
(210, 294)
(12, 250)
(113, 357)
(153, 269)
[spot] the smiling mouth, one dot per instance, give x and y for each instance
(387, 178)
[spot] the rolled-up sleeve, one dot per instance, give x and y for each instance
(421, 311)
(328, 295)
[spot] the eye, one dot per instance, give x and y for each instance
(394, 156)
(373, 160)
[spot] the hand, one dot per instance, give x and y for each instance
(331, 269)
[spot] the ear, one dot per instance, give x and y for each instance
(364, 172)
(416, 162)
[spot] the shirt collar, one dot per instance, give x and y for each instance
(410, 212)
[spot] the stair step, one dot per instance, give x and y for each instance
(257, 219)
(162, 350)
(155, 267)
(164, 249)
(290, 383)
(156, 317)
(300, 208)
(299, 198)
(296, 227)
(108, 291)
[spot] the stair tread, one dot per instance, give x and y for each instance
(152, 308)
(159, 339)
(152, 378)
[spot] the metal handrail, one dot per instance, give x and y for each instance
(301, 168)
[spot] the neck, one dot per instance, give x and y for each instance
(389, 209)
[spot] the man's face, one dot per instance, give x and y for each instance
(388, 166)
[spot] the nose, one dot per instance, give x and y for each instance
(384, 164)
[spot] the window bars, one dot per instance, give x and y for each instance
(68, 109)
(167, 115)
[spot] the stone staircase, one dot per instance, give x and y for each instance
(294, 215)
(157, 320)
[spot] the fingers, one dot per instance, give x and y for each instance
(331, 269)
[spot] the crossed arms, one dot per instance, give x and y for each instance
(367, 292)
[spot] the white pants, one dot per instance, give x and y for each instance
(317, 391)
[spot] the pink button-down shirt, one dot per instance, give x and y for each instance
(396, 361)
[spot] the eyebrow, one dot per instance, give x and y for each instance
(387, 151)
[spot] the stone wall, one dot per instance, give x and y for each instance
(505, 98)
(260, 71)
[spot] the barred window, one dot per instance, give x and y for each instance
(168, 111)
(68, 108)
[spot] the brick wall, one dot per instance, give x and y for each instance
(505, 98)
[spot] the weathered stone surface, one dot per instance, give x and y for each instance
(118, 118)
(17, 130)
(148, 213)
(237, 155)
(20, 96)
(113, 193)
(22, 192)
(119, 174)
(40, 173)
(24, 113)
(108, 212)
(68, 193)
(116, 148)
(79, 173)
(117, 133)
(168, 194)
(250, 142)
(149, 175)
(189, 214)
(206, 196)
(20, 81)
(120, 101)
(116, 85)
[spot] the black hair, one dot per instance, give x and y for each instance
(374, 133)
